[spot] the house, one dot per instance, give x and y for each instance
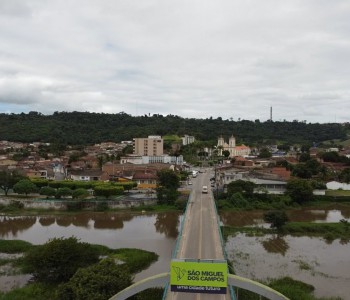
(85, 175)
(145, 180)
(36, 173)
(241, 161)
(272, 186)
(9, 163)
(283, 173)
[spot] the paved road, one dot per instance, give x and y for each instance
(200, 239)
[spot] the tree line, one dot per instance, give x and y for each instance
(84, 128)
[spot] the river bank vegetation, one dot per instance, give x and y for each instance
(293, 289)
(60, 267)
(328, 231)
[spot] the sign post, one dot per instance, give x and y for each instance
(199, 276)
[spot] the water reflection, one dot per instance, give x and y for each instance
(151, 232)
(15, 225)
(250, 218)
(242, 218)
(167, 223)
(276, 245)
(164, 223)
(46, 221)
(64, 221)
(105, 221)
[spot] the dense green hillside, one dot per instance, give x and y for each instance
(89, 128)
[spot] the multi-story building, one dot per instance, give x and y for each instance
(164, 159)
(187, 139)
(151, 146)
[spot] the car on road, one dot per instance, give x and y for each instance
(205, 189)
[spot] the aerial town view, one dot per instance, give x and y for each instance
(174, 150)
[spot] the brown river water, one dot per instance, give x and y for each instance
(324, 265)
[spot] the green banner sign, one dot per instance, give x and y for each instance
(198, 277)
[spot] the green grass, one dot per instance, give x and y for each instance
(136, 259)
(33, 291)
(14, 246)
(337, 193)
(329, 231)
(173, 137)
(337, 142)
(293, 289)
(155, 208)
(249, 231)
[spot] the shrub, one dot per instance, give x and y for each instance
(80, 193)
(57, 260)
(277, 218)
(63, 192)
(48, 191)
(97, 282)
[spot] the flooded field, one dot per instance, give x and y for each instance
(312, 260)
(152, 232)
(325, 265)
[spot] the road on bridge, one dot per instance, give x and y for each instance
(200, 237)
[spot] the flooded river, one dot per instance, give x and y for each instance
(312, 260)
(325, 265)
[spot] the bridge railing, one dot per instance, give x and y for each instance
(178, 240)
(232, 292)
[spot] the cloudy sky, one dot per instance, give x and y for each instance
(192, 58)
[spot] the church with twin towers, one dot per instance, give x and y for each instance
(231, 147)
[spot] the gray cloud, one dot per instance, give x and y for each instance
(195, 59)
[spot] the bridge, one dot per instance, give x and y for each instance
(200, 240)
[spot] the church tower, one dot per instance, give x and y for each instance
(221, 144)
(232, 145)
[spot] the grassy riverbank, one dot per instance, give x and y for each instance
(328, 231)
(293, 289)
(15, 208)
(135, 260)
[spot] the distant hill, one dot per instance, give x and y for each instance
(82, 128)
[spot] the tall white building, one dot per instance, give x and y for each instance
(187, 139)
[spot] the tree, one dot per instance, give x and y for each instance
(241, 186)
(300, 190)
(25, 186)
(305, 156)
(63, 192)
(226, 153)
(167, 184)
(57, 260)
(344, 175)
(80, 193)
(8, 180)
(97, 282)
(264, 153)
(237, 200)
(277, 218)
(48, 191)
(108, 190)
(301, 171)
